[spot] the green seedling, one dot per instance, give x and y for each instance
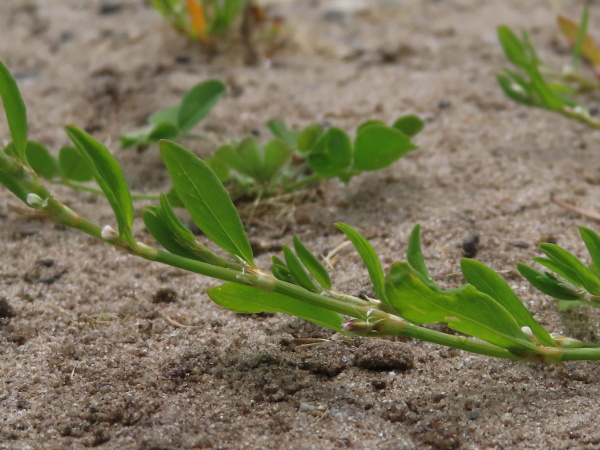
(200, 19)
(177, 121)
(579, 283)
(533, 84)
(490, 318)
(298, 158)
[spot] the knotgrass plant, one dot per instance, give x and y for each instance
(177, 121)
(534, 84)
(200, 19)
(491, 317)
(297, 158)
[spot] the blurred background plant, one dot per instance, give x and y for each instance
(209, 21)
(533, 83)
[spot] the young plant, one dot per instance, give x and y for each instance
(486, 310)
(177, 121)
(533, 84)
(580, 283)
(200, 19)
(297, 158)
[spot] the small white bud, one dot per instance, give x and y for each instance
(109, 233)
(527, 331)
(35, 201)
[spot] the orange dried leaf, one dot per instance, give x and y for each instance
(198, 19)
(589, 50)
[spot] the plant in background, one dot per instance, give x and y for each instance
(486, 310)
(200, 19)
(580, 283)
(297, 158)
(533, 84)
(177, 121)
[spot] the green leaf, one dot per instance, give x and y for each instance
(136, 138)
(40, 160)
(416, 260)
(369, 257)
(281, 271)
(297, 270)
(163, 130)
(515, 91)
(332, 154)
(277, 155)
(14, 186)
(159, 229)
(281, 131)
(312, 263)
(466, 309)
(249, 300)
(74, 166)
(167, 115)
(16, 113)
(513, 47)
(309, 137)
(219, 167)
(110, 178)
(379, 146)
(410, 125)
(369, 123)
(206, 199)
(198, 102)
(548, 284)
(489, 282)
(567, 265)
(592, 243)
(252, 155)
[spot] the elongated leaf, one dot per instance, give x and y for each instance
(281, 131)
(16, 113)
(297, 270)
(589, 49)
(379, 146)
(592, 243)
(332, 154)
(198, 102)
(410, 125)
(489, 282)
(73, 165)
(312, 263)
(14, 186)
(110, 178)
(136, 138)
(41, 161)
(246, 299)
(549, 285)
(206, 199)
(369, 257)
(570, 267)
(281, 271)
(159, 229)
(252, 154)
(416, 260)
(514, 91)
(466, 310)
(513, 47)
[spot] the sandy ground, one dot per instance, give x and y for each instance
(90, 358)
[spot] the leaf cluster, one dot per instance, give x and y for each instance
(486, 311)
(534, 84)
(298, 157)
(177, 121)
(580, 283)
(200, 19)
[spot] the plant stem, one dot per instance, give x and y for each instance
(82, 187)
(305, 181)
